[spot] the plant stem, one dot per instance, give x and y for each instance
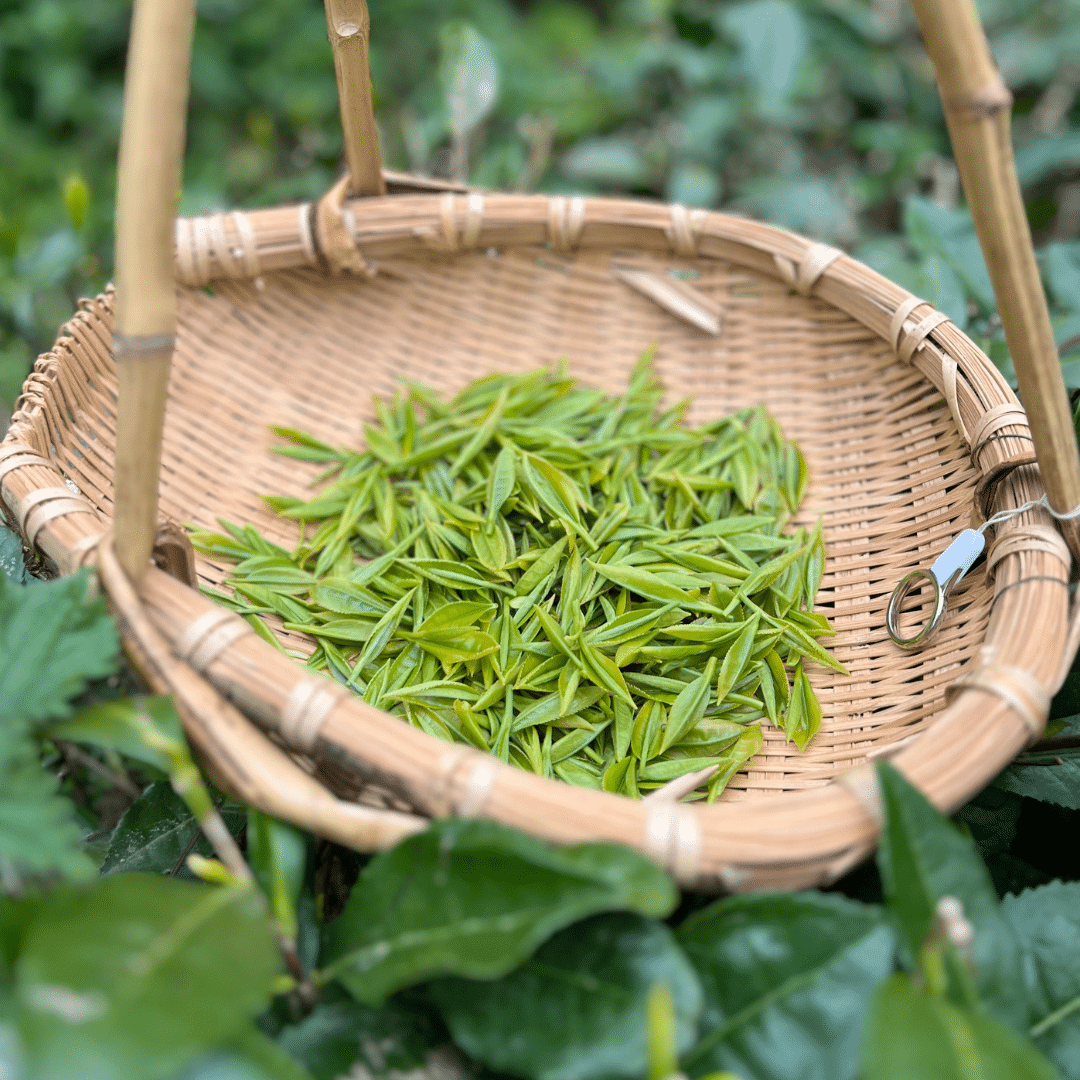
(1047, 1022)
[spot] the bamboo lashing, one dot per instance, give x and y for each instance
(977, 107)
(148, 186)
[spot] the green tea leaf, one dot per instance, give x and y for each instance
(474, 899)
(734, 758)
(1046, 922)
(735, 660)
(689, 707)
(344, 597)
(577, 1009)
(453, 645)
(642, 582)
(787, 981)
(483, 433)
(457, 615)
(914, 1035)
(138, 975)
(922, 857)
(804, 713)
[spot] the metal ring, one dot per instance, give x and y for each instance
(892, 615)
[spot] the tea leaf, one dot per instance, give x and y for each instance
(580, 568)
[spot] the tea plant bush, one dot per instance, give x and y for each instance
(820, 115)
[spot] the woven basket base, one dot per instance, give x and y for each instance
(891, 478)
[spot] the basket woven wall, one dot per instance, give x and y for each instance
(297, 316)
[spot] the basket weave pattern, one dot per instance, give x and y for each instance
(905, 424)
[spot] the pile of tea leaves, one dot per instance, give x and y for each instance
(575, 583)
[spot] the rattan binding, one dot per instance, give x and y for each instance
(296, 316)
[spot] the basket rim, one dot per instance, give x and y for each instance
(806, 837)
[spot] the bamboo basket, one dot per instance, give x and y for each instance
(296, 316)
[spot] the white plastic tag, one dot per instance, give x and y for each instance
(959, 555)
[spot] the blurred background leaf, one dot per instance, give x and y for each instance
(818, 115)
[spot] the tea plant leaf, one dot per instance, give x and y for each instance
(1046, 920)
(474, 899)
(12, 565)
(1052, 778)
(248, 1055)
(343, 1036)
(787, 982)
(912, 1034)
(922, 857)
(577, 1008)
(138, 975)
(137, 727)
(277, 854)
(157, 831)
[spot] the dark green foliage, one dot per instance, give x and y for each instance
(157, 833)
(340, 1033)
(136, 975)
(923, 858)
(475, 899)
(1047, 924)
(819, 115)
(787, 982)
(53, 639)
(914, 1035)
(577, 1009)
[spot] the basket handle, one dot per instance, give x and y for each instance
(144, 322)
(977, 107)
(349, 26)
(148, 182)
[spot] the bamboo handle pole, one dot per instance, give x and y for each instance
(148, 185)
(349, 26)
(977, 109)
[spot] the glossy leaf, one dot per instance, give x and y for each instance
(1052, 778)
(576, 1010)
(475, 899)
(157, 832)
(788, 980)
(344, 1035)
(453, 645)
(642, 582)
(1046, 921)
(922, 857)
(914, 1036)
(136, 976)
(248, 1055)
(689, 707)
